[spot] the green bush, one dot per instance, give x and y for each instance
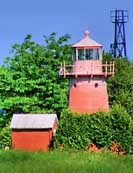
(78, 131)
(5, 136)
(122, 127)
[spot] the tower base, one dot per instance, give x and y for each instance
(88, 94)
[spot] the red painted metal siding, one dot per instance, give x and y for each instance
(88, 94)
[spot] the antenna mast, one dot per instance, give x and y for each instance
(119, 18)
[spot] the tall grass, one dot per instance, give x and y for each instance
(64, 162)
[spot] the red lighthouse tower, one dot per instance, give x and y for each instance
(88, 88)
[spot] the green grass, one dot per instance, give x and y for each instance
(64, 162)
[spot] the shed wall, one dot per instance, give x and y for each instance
(31, 140)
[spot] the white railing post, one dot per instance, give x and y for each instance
(106, 69)
(113, 67)
(91, 69)
(64, 69)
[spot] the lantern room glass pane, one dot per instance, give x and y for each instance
(91, 54)
(81, 54)
(96, 54)
(74, 54)
(88, 54)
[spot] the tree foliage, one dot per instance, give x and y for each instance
(30, 80)
(120, 87)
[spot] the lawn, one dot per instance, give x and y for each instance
(64, 162)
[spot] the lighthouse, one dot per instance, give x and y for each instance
(87, 74)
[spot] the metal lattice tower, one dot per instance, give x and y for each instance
(119, 18)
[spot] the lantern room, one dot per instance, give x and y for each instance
(87, 49)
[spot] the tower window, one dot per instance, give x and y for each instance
(75, 85)
(96, 85)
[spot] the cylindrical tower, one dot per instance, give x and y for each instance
(88, 88)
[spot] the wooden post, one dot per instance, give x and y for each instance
(110, 65)
(113, 68)
(64, 69)
(91, 69)
(106, 69)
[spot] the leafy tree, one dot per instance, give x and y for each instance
(30, 80)
(120, 88)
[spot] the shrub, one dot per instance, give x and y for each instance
(71, 132)
(5, 136)
(122, 127)
(78, 131)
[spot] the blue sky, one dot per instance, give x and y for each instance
(42, 17)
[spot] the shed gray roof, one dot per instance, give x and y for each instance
(33, 121)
